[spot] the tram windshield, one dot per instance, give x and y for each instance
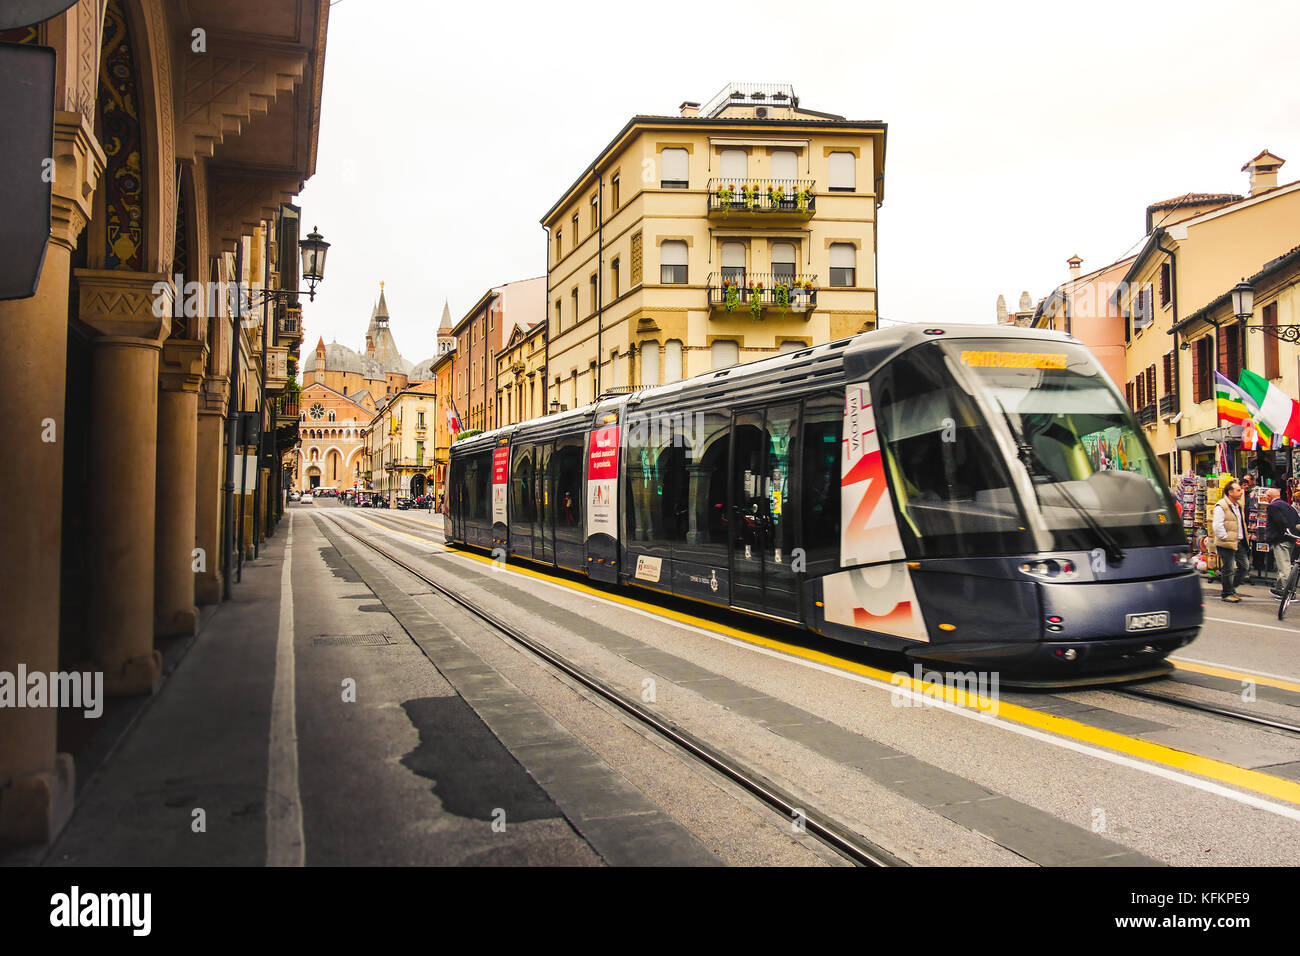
(1096, 478)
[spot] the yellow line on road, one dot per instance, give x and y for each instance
(1246, 779)
(1236, 675)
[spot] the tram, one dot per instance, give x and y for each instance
(969, 496)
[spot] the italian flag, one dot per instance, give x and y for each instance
(1277, 411)
(1238, 406)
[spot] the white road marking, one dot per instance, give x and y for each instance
(1270, 627)
(1291, 813)
(285, 845)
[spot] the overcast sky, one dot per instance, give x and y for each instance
(1019, 134)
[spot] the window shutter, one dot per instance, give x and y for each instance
(1271, 369)
(1196, 372)
(785, 166)
(841, 255)
(735, 164)
(674, 166)
(1221, 341)
(1164, 284)
(1151, 384)
(840, 168)
(1128, 394)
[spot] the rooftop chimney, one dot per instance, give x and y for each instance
(1076, 266)
(1263, 172)
(689, 108)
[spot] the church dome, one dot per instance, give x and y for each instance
(338, 358)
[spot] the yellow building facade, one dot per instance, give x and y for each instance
(751, 192)
(1184, 266)
(521, 375)
(399, 443)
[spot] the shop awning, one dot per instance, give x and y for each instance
(1208, 438)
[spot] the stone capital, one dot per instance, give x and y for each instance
(213, 394)
(129, 304)
(182, 365)
(78, 164)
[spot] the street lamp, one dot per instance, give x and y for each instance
(313, 250)
(1243, 300)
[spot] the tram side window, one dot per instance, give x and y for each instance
(708, 482)
(478, 471)
(823, 423)
(950, 483)
(525, 499)
(567, 465)
(656, 480)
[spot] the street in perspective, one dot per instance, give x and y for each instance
(513, 441)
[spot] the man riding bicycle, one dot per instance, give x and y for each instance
(1282, 518)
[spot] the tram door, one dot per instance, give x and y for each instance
(760, 526)
(543, 527)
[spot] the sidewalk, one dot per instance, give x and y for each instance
(304, 725)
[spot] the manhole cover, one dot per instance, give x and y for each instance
(352, 640)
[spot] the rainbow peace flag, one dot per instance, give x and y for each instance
(1275, 410)
(1238, 406)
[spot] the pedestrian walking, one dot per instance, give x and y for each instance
(1229, 541)
(1282, 518)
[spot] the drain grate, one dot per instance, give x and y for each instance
(352, 640)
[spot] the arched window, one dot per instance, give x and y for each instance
(331, 414)
(650, 363)
(672, 361)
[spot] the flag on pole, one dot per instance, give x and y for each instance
(1238, 406)
(1277, 412)
(453, 419)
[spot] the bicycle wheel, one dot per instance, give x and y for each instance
(1288, 593)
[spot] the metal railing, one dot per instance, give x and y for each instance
(287, 406)
(793, 196)
(767, 286)
(1147, 414)
(1168, 404)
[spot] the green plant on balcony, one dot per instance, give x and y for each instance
(725, 195)
(756, 301)
(776, 195)
(802, 198)
(730, 295)
(781, 295)
(750, 192)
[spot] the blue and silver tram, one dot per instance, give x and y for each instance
(971, 496)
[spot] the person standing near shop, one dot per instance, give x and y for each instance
(1282, 518)
(1229, 541)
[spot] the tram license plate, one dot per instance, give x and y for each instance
(1146, 621)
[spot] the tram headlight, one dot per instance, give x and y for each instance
(1050, 568)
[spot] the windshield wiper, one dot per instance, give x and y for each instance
(1029, 458)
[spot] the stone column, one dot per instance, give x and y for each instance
(210, 474)
(124, 307)
(36, 782)
(175, 613)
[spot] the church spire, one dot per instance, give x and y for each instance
(446, 317)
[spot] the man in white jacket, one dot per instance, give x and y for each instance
(1230, 541)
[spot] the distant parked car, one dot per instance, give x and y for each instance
(294, 496)
(307, 499)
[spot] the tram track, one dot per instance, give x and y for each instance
(1230, 713)
(819, 823)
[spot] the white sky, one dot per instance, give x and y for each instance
(1019, 134)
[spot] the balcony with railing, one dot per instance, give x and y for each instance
(286, 407)
(737, 291)
(277, 368)
(291, 324)
(394, 464)
(1168, 405)
(762, 199)
(1147, 414)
